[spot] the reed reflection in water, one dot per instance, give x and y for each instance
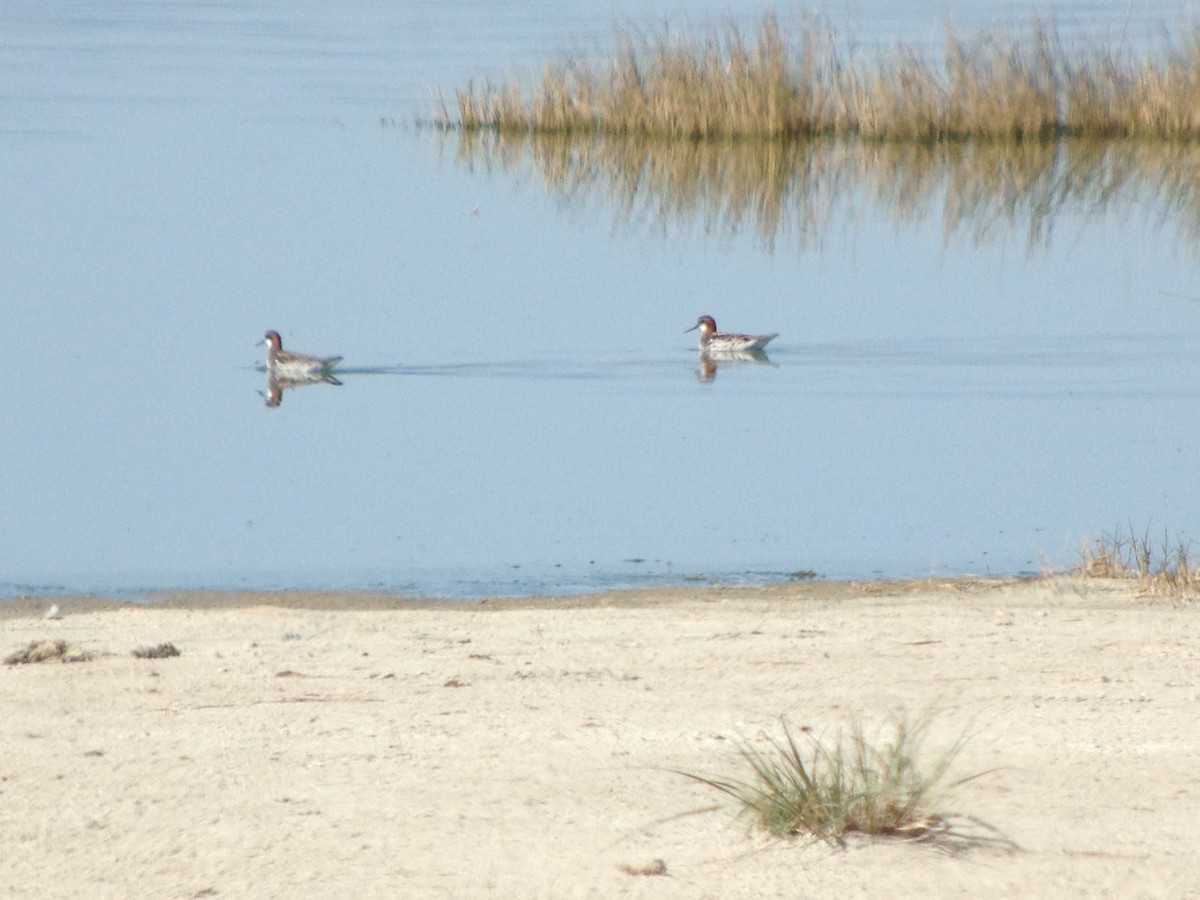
(796, 189)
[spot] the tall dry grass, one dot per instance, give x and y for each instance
(803, 83)
(1167, 568)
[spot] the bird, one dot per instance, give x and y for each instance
(285, 365)
(713, 341)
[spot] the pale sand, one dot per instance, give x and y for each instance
(525, 749)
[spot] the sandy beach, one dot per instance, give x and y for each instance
(322, 746)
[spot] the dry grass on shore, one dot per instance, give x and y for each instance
(1167, 569)
(803, 84)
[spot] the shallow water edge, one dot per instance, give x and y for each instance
(1046, 588)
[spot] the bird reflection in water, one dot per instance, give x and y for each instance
(711, 362)
(277, 384)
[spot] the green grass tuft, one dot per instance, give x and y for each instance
(828, 788)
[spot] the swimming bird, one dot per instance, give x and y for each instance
(713, 341)
(285, 365)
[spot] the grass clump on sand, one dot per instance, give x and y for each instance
(1166, 570)
(828, 788)
(802, 83)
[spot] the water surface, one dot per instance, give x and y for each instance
(521, 411)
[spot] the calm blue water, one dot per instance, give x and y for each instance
(521, 411)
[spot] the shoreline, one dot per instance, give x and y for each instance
(354, 600)
(501, 748)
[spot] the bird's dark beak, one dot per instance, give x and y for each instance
(693, 328)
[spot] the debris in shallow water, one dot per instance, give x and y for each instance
(652, 868)
(162, 651)
(47, 651)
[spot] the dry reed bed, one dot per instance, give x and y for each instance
(803, 84)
